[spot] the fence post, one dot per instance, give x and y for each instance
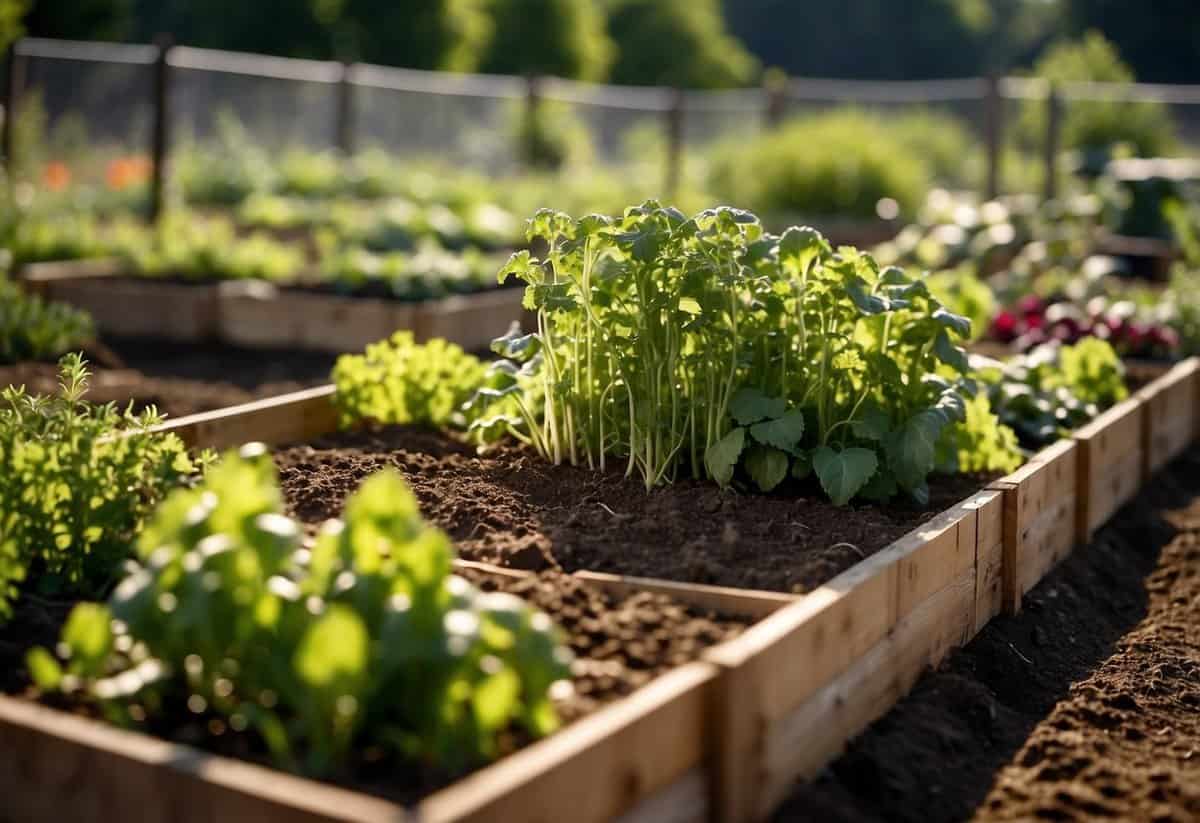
(14, 87)
(993, 127)
(162, 127)
(345, 110)
(675, 115)
(775, 86)
(1053, 130)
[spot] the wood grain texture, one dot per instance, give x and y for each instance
(1110, 464)
(292, 417)
(788, 658)
(989, 557)
(141, 308)
(472, 321)
(1172, 414)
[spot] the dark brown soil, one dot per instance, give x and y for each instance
(619, 643)
(513, 509)
(181, 379)
(1086, 706)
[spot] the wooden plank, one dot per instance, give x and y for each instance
(743, 602)
(817, 731)
(37, 275)
(55, 766)
(141, 308)
(1040, 500)
(784, 660)
(472, 321)
(1172, 414)
(989, 556)
(598, 768)
(288, 418)
(255, 313)
(1110, 463)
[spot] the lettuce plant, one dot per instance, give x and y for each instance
(76, 483)
(363, 641)
(703, 344)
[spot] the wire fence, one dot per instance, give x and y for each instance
(148, 99)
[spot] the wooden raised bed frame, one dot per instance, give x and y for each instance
(723, 738)
(256, 313)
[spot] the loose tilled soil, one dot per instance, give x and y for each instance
(180, 379)
(620, 643)
(511, 508)
(1086, 706)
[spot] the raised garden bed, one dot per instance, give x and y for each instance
(256, 313)
(789, 692)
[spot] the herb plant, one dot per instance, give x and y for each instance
(365, 641)
(76, 482)
(35, 329)
(701, 344)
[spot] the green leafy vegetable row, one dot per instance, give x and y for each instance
(35, 329)
(365, 642)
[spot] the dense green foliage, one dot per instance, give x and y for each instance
(364, 640)
(676, 43)
(563, 38)
(400, 381)
(706, 344)
(1097, 127)
(1045, 393)
(841, 163)
(76, 483)
(35, 329)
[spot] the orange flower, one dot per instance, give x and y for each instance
(127, 171)
(56, 176)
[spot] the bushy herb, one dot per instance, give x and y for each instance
(76, 482)
(1054, 388)
(366, 640)
(698, 344)
(35, 329)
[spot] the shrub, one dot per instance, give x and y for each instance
(76, 482)
(841, 163)
(366, 640)
(1096, 127)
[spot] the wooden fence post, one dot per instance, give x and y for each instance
(675, 115)
(162, 127)
(775, 87)
(993, 127)
(1053, 130)
(14, 87)
(345, 110)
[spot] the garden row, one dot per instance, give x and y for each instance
(721, 738)
(257, 313)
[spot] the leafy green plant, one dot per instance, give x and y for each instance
(401, 381)
(1053, 389)
(703, 343)
(965, 294)
(194, 248)
(837, 164)
(35, 329)
(364, 640)
(76, 483)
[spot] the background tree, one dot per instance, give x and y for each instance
(1161, 40)
(564, 38)
(677, 43)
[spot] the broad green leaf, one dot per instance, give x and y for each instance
(520, 265)
(860, 295)
(750, 405)
(333, 649)
(47, 674)
(881, 487)
(766, 466)
(960, 324)
(843, 473)
(496, 699)
(949, 353)
(721, 457)
(800, 247)
(782, 433)
(516, 346)
(88, 635)
(912, 449)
